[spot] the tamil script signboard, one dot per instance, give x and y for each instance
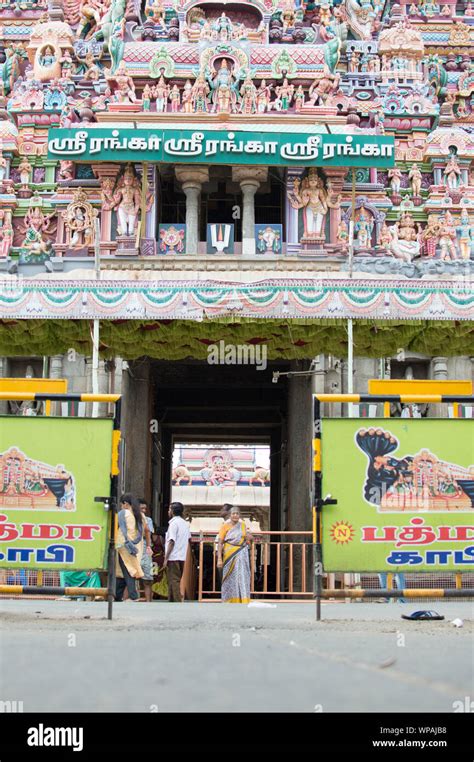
(405, 492)
(222, 147)
(51, 469)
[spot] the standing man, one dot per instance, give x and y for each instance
(178, 537)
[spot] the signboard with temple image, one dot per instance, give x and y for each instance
(51, 469)
(405, 495)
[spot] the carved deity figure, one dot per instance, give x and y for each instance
(3, 167)
(79, 218)
(147, 95)
(175, 99)
(299, 98)
(363, 229)
(284, 93)
(161, 91)
(37, 220)
(187, 99)
(263, 97)
(127, 202)
(122, 87)
(47, 57)
(415, 178)
(25, 169)
(430, 236)
(92, 14)
(342, 236)
(405, 242)
(223, 86)
(322, 88)
(93, 71)
(200, 92)
(248, 93)
(448, 238)
(452, 173)
(395, 177)
(6, 234)
(311, 196)
(465, 235)
(223, 27)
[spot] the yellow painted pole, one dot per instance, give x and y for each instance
(386, 409)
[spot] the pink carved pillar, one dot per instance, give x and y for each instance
(335, 177)
(103, 172)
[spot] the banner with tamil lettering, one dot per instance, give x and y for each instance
(230, 147)
(405, 495)
(51, 469)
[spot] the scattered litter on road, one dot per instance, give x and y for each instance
(457, 622)
(261, 605)
(292, 643)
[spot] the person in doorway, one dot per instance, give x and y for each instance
(233, 559)
(129, 545)
(177, 542)
(147, 561)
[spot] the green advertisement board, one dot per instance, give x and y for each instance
(230, 147)
(405, 492)
(51, 469)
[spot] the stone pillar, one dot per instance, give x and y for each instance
(191, 179)
(300, 432)
(3, 374)
(56, 371)
(439, 369)
(250, 179)
(106, 173)
(136, 427)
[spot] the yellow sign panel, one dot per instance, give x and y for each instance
(415, 386)
(34, 385)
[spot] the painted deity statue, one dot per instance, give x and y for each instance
(452, 173)
(25, 170)
(161, 91)
(200, 92)
(363, 229)
(175, 99)
(430, 236)
(124, 88)
(323, 88)
(263, 97)
(448, 238)
(405, 242)
(248, 92)
(6, 234)
(187, 98)
(224, 89)
(3, 167)
(465, 235)
(415, 178)
(127, 202)
(222, 28)
(285, 93)
(92, 14)
(311, 196)
(395, 177)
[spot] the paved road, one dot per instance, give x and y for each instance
(65, 656)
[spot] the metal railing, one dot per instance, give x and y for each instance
(279, 568)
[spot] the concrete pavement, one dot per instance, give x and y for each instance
(66, 656)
